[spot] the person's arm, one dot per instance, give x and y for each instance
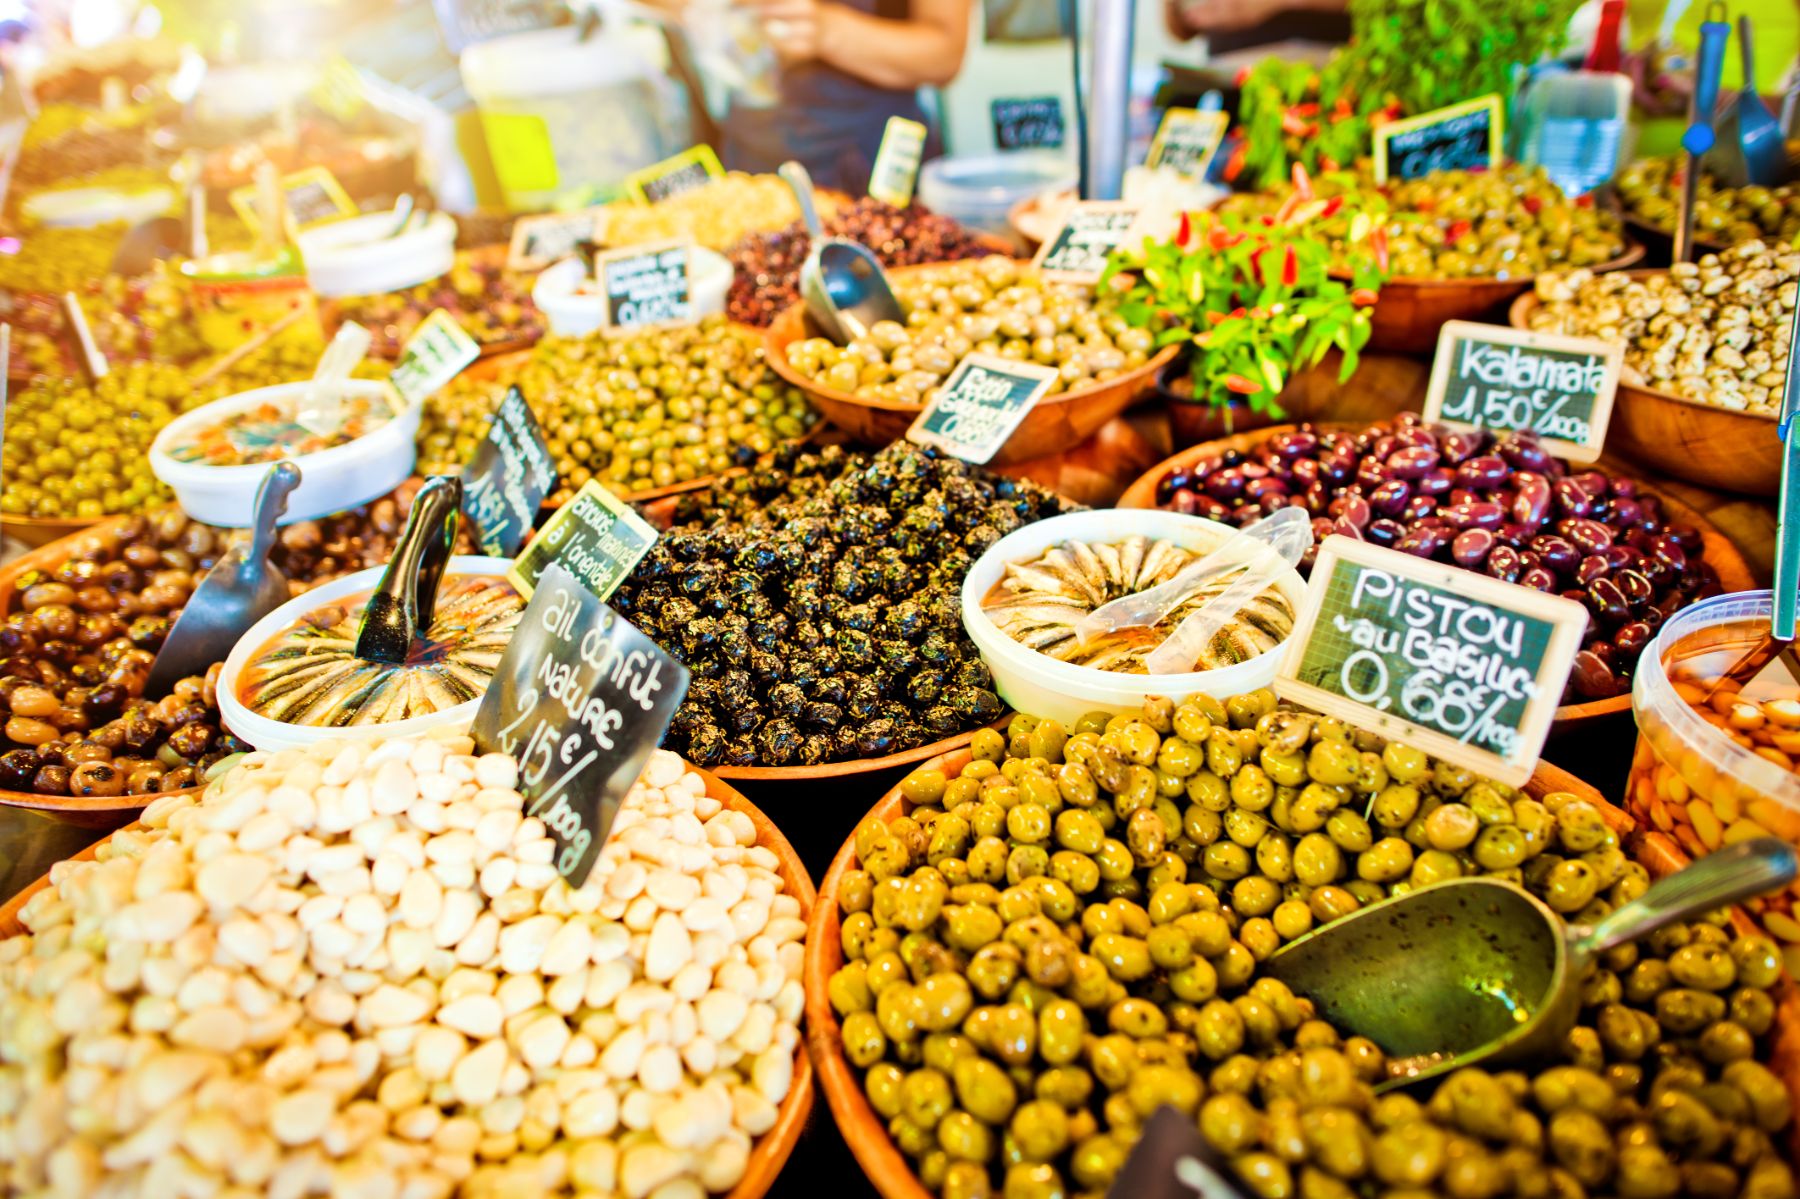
(925, 49)
(1191, 18)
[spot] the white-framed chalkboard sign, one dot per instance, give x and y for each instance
(1462, 137)
(1559, 388)
(980, 405)
(1460, 665)
(1077, 252)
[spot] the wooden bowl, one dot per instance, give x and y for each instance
(1684, 438)
(1720, 553)
(41, 530)
(1410, 312)
(772, 1150)
(865, 1131)
(1055, 424)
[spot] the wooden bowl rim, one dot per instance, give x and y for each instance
(1641, 226)
(863, 1130)
(1632, 254)
(1721, 553)
(1519, 316)
(771, 1150)
(24, 528)
(855, 766)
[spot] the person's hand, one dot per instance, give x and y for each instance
(792, 27)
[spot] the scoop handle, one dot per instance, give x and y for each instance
(1740, 871)
(403, 601)
(797, 178)
(271, 504)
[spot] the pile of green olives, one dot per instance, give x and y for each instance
(1066, 936)
(634, 410)
(1650, 190)
(992, 305)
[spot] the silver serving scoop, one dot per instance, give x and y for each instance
(842, 283)
(404, 600)
(242, 587)
(1476, 969)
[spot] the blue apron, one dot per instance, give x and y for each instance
(829, 121)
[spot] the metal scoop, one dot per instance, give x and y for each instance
(1751, 148)
(1460, 972)
(242, 587)
(406, 597)
(841, 282)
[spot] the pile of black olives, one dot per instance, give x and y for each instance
(1499, 504)
(1066, 937)
(816, 601)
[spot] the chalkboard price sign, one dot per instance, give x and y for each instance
(596, 536)
(686, 171)
(538, 241)
(1462, 666)
(1078, 251)
(1186, 141)
(1493, 377)
(979, 406)
(312, 197)
(647, 285)
(506, 481)
(436, 353)
(580, 699)
(1462, 137)
(1031, 123)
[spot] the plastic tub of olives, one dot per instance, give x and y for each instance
(352, 470)
(1033, 681)
(267, 733)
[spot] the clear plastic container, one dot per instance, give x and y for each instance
(1032, 682)
(272, 735)
(980, 190)
(1710, 773)
(567, 119)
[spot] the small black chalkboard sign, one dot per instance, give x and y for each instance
(595, 536)
(980, 404)
(1078, 251)
(1462, 137)
(647, 285)
(506, 481)
(580, 699)
(684, 172)
(1029, 123)
(1559, 388)
(1465, 667)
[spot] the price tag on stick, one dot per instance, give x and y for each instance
(1186, 141)
(1463, 137)
(1493, 377)
(896, 168)
(596, 536)
(506, 481)
(979, 406)
(684, 172)
(580, 699)
(538, 241)
(1078, 251)
(646, 286)
(1462, 666)
(436, 353)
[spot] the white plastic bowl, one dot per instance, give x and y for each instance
(273, 735)
(353, 257)
(573, 315)
(1043, 686)
(330, 480)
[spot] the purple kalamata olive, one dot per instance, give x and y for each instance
(1385, 531)
(1476, 516)
(1439, 481)
(1632, 637)
(1301, 443)
(1413, 462)
(1423, 542)
(1389, 497)
(1344, 528)
(1537, 577)
(1418, 508)
(1370, 474)
(1323, 527)
(1353, 508)
(1531, 500)
(1625, 489)
(1305, 472)
(1258, 488)
(1255, 470)
(1621, 557)
(1503, 563)
(1622, 513)
(1184, 502)
(1272, 503)
(1487, 472)
(1608, 601)
(1589, 536)
(1460, 445)
(1227, 485)
(1316, 497)
(1521, 453)
(1592, 677)
(1590, 568)
(1572, 499)
(1596, 483)
(1636, 587)
(1471, 547)
(1338, 469)
(1668, 551)
(1689, 538)
(1515, 535)
(1384, 445)
(1558, 553)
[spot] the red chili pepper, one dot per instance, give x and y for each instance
(1308, 109)
(1234, 163)
(1532, 204)
(1362, 297)
(1341, 111)
(1241, 385)
(1328, 162)
(1216, 318)
(1242, 75)
(1456, 230)
(1184, 230)
(1378, 239)
(1293, 201)
(1256, 262)
(1292, 124)
(1331, 207)
(1584, 200)
(1302, 182)
(1290, 268)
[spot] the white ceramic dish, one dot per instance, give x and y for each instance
(85, 207)
(273, 735)
(330, 480)
(354, 257)
(573, 315)
(1032, 682)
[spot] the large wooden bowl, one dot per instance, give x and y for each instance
(1055, 424)
(41, 530)
(1683, 438)
(1410, 312)
(865, 1131)
(1719, 552)
(772, 1150)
